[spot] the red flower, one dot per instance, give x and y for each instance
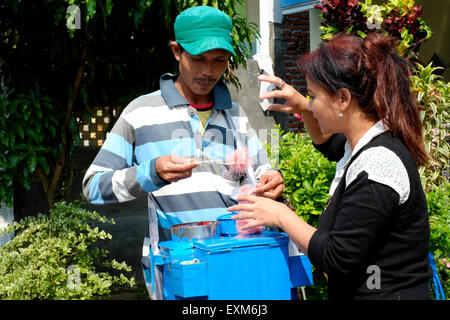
(298, 116)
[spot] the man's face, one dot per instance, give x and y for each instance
(199, 74)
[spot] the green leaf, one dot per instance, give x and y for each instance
(361, 34)
(20, 130)
(109, 6)
(91, 6)
(32, 163)
(32, 134)
(43, 163)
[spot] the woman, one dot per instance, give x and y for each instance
(372, 238)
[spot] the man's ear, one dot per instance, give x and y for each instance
(175, 50)
(345, 98)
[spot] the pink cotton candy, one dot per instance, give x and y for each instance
(242, 222)
(247, 189)
(239, 160)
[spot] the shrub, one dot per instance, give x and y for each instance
(52, 257)
(307, 175)
(438, 209)
(398, 18)
(433, 97)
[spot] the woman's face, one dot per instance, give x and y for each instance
(325, 107)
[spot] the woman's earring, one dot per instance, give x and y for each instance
(340, 115)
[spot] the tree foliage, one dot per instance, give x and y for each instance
(118, 52)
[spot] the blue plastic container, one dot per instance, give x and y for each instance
(247, 268)
(230, 266)
(227, 226)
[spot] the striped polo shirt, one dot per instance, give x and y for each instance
(163, 123)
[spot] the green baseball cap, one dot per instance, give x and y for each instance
(203, 28)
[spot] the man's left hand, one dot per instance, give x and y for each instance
(270, 185)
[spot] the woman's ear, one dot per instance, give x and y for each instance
(176, 50)
(345, 98)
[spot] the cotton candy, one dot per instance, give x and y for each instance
(239, 160)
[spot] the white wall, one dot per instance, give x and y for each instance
(263, 13)
(314, 31)
(6, 218)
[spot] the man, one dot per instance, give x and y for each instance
(173, 144)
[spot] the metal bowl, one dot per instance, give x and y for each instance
(194, 230)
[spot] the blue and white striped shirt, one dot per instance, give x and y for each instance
(163, 123)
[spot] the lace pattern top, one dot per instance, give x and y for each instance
(381, 164)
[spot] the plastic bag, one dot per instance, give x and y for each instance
(243, 166)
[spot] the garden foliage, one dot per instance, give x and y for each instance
(398, 18)
(433, 98)
(438, 209)
(307, 175)
(118, 51)
(28, 128)
(53, 257)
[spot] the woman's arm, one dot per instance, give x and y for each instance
(267, 212)
(361, 224)
(295, 103)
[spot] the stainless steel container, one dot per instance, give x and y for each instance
(194, 230)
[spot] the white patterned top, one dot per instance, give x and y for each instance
(381, 164)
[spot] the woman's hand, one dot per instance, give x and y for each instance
(295, 101)
(264, 211)
(267, 212)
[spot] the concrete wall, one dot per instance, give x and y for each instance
(248, 96)
(6, 218)
(436, 14)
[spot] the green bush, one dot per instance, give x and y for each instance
(51, 257)
(438, 209)
(307, 175)
(433, 99)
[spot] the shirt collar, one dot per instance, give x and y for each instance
(221, 95)
(377, 129)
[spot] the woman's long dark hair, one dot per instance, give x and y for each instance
(376, 76)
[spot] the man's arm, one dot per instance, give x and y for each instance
(113, 176)
(116, 176)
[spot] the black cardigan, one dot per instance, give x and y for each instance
(364, 232)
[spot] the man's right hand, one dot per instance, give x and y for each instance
(173, 168)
